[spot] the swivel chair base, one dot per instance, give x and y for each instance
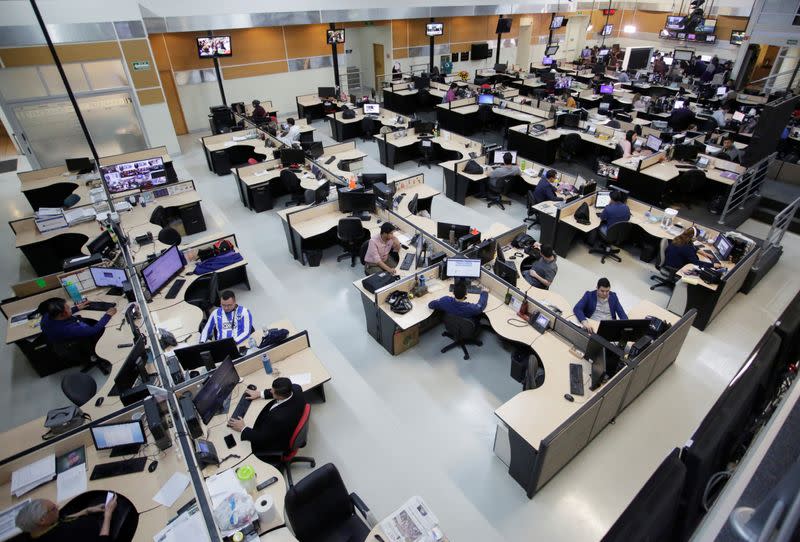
(607, 252)
(462, 343)
(498, 200)
(661, 280)
(345, 255)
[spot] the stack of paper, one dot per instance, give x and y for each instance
(8, 517)
(71, 482)
(33, 475)
(81, 214)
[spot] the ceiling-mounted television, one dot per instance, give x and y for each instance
(434, 29)
(676, 22)
(557, 22)
(335, 36)
(503, 26)
(214, 46)
(737, 37)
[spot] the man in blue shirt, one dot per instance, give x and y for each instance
(544, 190)
(616, 211)
(228, 321)
(457, 304)
(60, 326)
(600, 304)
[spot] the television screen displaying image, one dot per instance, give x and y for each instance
(711, 39)
(675, 22)
(708, 26)
(551, 50)
(214, 46)
(547, 61)
(142, 174)
(434, 29)
(557, 22)
(607, 30)
(335, 36)
(606, 89)
(691, 37)
(737, 37)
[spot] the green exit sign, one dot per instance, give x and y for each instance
(141, 65)
(791, 42)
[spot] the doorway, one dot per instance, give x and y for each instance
(378, 63)
(576, 36)
(366, 56)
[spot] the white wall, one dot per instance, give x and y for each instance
(360, 41)
(507, 55)
(158, 125)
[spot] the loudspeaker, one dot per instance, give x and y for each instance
(156, 424)
(190, 416)
(137, 393)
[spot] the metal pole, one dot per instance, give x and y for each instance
(335, 61)
(430, 61)
(219, 76)
(602, 30)
(497, 53)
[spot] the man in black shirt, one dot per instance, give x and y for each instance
(681, 118)
(41, 519)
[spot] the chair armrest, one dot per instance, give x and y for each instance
(364, 510)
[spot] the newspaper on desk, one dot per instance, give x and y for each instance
(412, 522)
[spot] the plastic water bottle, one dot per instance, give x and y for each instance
(251, 343)
(73, 292)
(422, 281)
(267, 363)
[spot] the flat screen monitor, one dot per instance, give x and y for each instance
(102, 244)
(551, 50)
(691, 37)
(683, 54)
(723, 246)
(372, 109)
(434, 29)
(605, 359)
(737, 37)
(108, 277)
(557, 22)
(356, 202)
(485, 99)
(157, 274)
(705, 58)
(214, 46)
(114, 435)
(738, 116)
(708, 26)
(653, 143)
(606, 89)
(335, 36)
(586, 53)
(500, 68)
(721, 91)
(711, 38)
(206, 354)
(607, 29)
(667, 60)
(132, 368)
(564, 82)
(139, 175)
(507, 271)
(602, 52)
(603, 199)
(443, 230)
(603, 107)
(547, 61)
(292, 156)
(499, 156)
(503, 26)
(675, 22)
(479, 51)
(623, 330)
(79, 165)
(369, 179)
(487, 250)
(463, 268)
(678, 104)
(216, 390)
(326, 92)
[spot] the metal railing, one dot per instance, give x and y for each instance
(746, 188)
(780, 224)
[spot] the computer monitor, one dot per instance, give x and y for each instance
(138, 175)
(102, 244)
(413, 205)
(564, 82)
(420, 248)
(623, 331)
(738, 116)
(721, 91)
(485, 99)
(486, 250)
(607, 29)
(683, 54)
(466, 241)
(214, 46)
(131, 314)
(570, 120)
(675, 22)
(602, 199)
(507, 271)
(372, 109)
(443, 230)
(723, 246)
(356, 202)
(497, 157)
(603, 108)
(606, 89)
(292, 156)
(547, 61)
(326, 92)
(678, 104)
(551, 50)
(463, 268)
(737, 37)
(108, 276)
(602, 52)
(369, 179)
(653, 143)
(163, 269)
(605, 358)
(421, 82)
(557, 22)
(79, 165)
(500, 68)
(705, 58)
(313, 149)
(206, 354)
(667, 60)
(424, 128)
(500, 256)
(122, 438)
(133, 368)
(216, 390)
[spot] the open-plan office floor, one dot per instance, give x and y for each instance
(423, 422)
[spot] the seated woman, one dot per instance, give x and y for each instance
(40, 518)
(681, 251)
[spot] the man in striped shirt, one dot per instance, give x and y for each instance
(230, 320)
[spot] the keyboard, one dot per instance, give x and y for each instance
(118, 468)
(99, 306)
(175, 288)
(575, 379)
(241, 407)
(470, 289)
(408, 261)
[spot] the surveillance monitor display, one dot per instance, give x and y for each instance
(372, 109)
(723, 246)
(335, 36)
(139, 175)
(721, 91)
(705, 58)
(551, 50)
(214, 46)
(586, 53)
(434, 29)
(547, 61)
(498, 157)
(157, 274)
(602, 52)
(653, 143)
(606, 89)
(607, 29)
(558, 21)
(708, 26)
(603, 107)
(108, 276)
(485, 99)
(678, 104)
(675, 22)
(603, 199)
(463, 268)
(737, 37)
(683, 54)
(215, 390)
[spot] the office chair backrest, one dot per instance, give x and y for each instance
(571, 142)
(691, 180)
(300, 435)
(159, 216)
(662, 253)
(619, 152)
(619, 232)
(78, 387)
(290, 181)
(318, 503)
(169, 236)
(500, 184)
(349, 229)
(459, 327)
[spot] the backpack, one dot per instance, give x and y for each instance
(399, 302)
(523, 241)
(582, 214)
(473, 168)
(348, 114)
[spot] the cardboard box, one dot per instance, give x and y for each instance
(403, 340)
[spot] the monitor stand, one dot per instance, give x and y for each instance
(130, 449)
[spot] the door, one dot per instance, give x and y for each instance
(173, 102)
(377, 62)
(576, 35)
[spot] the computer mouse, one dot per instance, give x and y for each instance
(251, 387)
(153, 466)
(99, 401)
(568, 397)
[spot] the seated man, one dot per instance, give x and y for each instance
(291, 134)
(229, 320)
(544, 190)
(543, 271)
(616, 211)
(729, 151)
(275, 424)
(457, 303)
(600, 304)
(40, 519)
(507, 169)
(258, 111)
(60, 326)
(383, 251)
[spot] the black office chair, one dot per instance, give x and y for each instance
(291, 184)
(484, 114)
(368, 128)
(79, 388)
(284, 458)
(462, 331)
(618, 153)
(351, 235)
(203, 292)
(426, 152)
(533, 216)
(79, 353)
(319, 509)
(688, 184)
(614, 236)
(159, 217)
(667, 275)
(362, 254)
(570, 145)
(498, 189)
(169, 236)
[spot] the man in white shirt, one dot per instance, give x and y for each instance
(292, 134)
(230, 320)
(719, 116)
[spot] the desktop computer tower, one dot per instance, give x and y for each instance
(191, 417)
(157, 424)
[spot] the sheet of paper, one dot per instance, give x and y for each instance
(8, 527)
(301, 379)
(71, 482)
(170, 491)
(221, 485)
(173, 324)
(33, 475)
(187, 526)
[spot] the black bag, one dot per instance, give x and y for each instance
(399, 302)
(378, 281)
(523, 241)
(473, 168)
(348, 114)
(582, 214)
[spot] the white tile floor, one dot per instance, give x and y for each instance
(423, 423)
